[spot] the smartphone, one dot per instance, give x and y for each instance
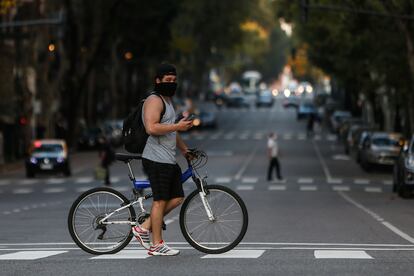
(190, 118)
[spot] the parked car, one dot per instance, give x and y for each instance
(403, 175)
(48, 155)
(91, 138)
(380, 148)
(353, 136)
(264, 98)
(337, 118)
(305, 110)
(346, 125)
(237, 101)
(113, 131)
(291, 102)
(205, 119)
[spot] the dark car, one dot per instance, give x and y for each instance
(91, 138)
(337, 118)
(264, 98)
(404, 170)
(346, 125)
(237, 101)
(113, 131)
(353, 136)
(48, 155)
(305, 110)
(380, 148)
(205, 119)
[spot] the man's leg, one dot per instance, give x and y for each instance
(157, 215)
(169, 206)
(269, 170)
(277, 164)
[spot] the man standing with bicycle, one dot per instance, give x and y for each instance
(159, 159)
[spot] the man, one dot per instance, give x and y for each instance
(159, 159)
(273, 152)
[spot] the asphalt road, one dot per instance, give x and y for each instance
(328, 217)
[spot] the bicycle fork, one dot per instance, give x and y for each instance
(204, 200)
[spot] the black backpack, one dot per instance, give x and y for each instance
(133, 130)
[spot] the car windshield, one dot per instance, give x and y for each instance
(385, 141)
(50, 148)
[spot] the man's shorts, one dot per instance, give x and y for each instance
(165, 179)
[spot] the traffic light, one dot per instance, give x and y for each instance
(304, 9)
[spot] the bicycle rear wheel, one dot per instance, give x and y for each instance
(86, 214)
(222, 233)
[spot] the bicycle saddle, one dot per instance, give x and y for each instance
(126, 157)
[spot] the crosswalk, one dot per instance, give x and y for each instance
(238, 253)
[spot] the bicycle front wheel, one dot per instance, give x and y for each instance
(88, 230)
(221, 233)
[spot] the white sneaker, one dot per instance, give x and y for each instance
(162, 249)
(143, 236)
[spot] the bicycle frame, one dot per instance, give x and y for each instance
(189, 172)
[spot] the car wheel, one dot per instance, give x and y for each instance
(30, 174)
(404, 191)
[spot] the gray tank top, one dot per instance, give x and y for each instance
(162, 148)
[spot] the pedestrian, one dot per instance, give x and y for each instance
(107, 156)
(273, 153)
(310, 125)
(158, 159)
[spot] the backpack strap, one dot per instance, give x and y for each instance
(163, 103)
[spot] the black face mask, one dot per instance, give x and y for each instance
(166, 88)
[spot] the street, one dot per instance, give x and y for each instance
(327, 217)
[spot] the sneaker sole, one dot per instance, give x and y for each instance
(138, 237)
(161, 254)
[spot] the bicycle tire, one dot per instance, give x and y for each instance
(73, 211)
(203, 247)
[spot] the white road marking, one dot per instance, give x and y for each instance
(246, 163)
(308, 188)
(28, 182)
(305, 180)
(55, 181)
(277, 187)
(378, 218)
(341, 188)
(279, 181)
(236, 254)
(287, 136)
(83, 189)
(361, 181)
(124, 254)
(200, 137)
(331, 137)
(4, 182)
(223, 180)
(373, 190)
(123, 188)
(387, 182)
(219, 153)
(29, 255)
(22, 191)
(258, 136)
(341, 254)
(244, 188)
(324, 166)
(335, 181)
(249, 180)
(342, 157)
(84, 180)
(54, 190)
(115, 179)
(302, 137)
(317, 137)
(229, 136)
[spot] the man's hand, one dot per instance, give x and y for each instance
(184, 125)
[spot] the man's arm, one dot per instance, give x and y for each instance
(153, 106)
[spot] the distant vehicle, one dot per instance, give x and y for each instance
(353, 136)
(346, 125)
(48, 155)
(305, 110)
(205, 119)
(291, 102)
(90, 138)
(264, 98)
(113, 131)
(380, 148)
(237, 101)
(403, 175)
(337, 118)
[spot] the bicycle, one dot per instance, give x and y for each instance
(213, 218)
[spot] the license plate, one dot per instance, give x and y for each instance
(46, 166)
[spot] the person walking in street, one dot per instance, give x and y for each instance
(310, 125)
(107, 156)
(273, 152)
(159, 160)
